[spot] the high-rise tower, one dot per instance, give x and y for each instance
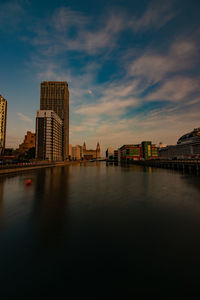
(3, 120)
(54, 95)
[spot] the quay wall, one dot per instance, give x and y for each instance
(25, 168)
(183, 165)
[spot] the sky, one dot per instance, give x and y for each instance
(133, 67)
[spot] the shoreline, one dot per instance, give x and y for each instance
(35, 167)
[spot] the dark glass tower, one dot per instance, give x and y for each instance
(54, 95)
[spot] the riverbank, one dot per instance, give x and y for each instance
(25, 168)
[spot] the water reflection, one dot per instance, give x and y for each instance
(1, 199)
(50, 204)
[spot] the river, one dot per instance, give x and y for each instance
(99, 230)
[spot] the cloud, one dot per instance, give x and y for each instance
(24, 118)
(70, 30)
(153, 66)
(116, 107)
(157, 14)
(64, 18)
(176, 89)
(11, 14)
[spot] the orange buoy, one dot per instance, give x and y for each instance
(28, 182)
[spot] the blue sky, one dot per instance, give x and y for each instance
(133, 67)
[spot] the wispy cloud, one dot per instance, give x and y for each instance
(116, 107)
(24, 118)
(11, 14)
(70, 30)
(177, 88)
(156, 15)
(154, 66)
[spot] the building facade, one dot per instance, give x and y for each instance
(54, 95)
(28, 143)
(91, 154)
(110, 153)
(146, 150)
(3, 121)
(70, 151)
(76, 152)
(48, 136)
(188, 147)
(130, 152)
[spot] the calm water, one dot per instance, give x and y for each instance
(99, 231)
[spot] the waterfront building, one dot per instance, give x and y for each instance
(48, 136)
(161, 145)
(130, 152)
(154, 151)
(149, 150)
(70, 151)
(3, 121)
(110, 153)
(54, 95)
(116, 155)
(76, 152)
(28, 143)
(146, 150)
(187, 147)
(91, 154)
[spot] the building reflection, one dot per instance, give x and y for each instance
(50, 204)
(1, 199)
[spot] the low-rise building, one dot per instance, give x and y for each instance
(48, 136)
(146, 150)
(130, 152)
(110, 153)
(116, 155)
(77, 152)
(70, 151)
(28, 143)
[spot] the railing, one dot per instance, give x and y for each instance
(24, 165)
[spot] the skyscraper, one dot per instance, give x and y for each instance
(54, 95)
(3, 120)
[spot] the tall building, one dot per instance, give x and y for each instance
(28, 143)
(54, 95)
(3, 120)
(48, 135)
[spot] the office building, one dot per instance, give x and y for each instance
(48, 136)
(54, 95)
(3, 121)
